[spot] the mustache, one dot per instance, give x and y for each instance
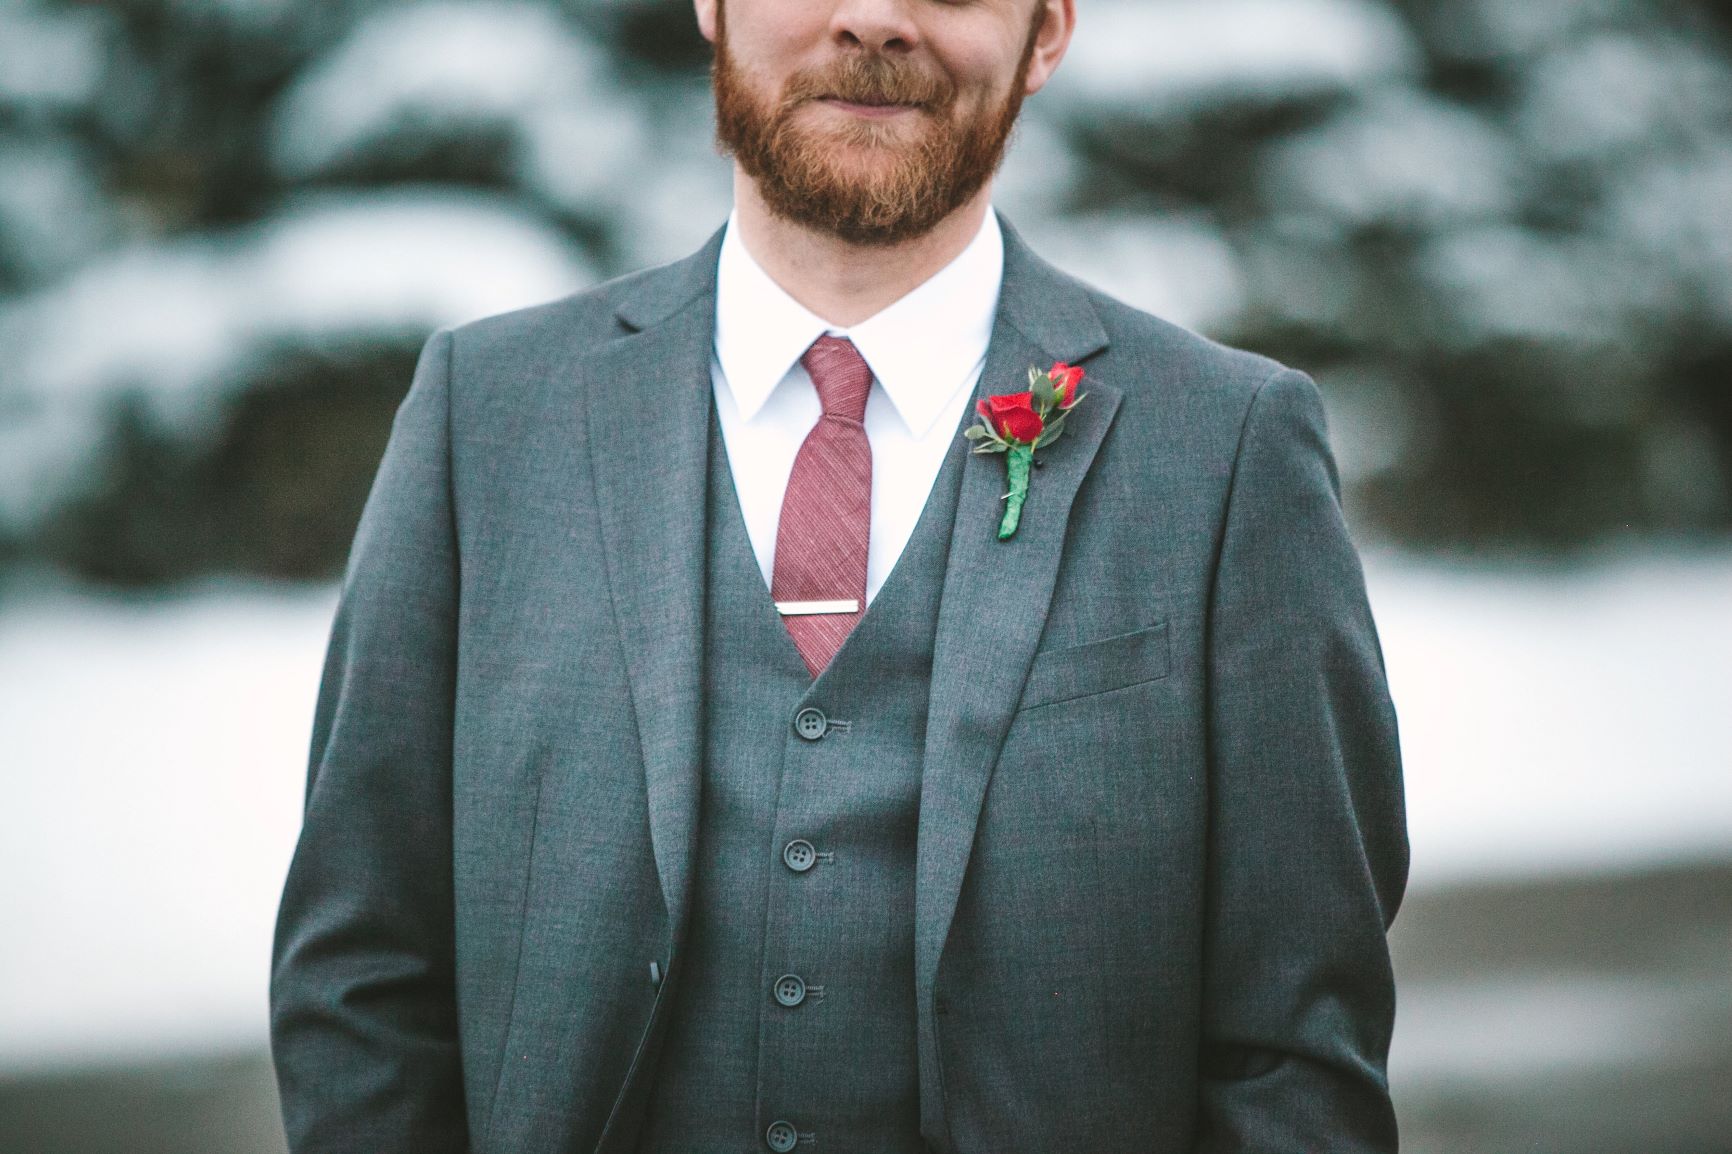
(869, 79)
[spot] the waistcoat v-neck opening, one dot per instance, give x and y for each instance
(946, 487)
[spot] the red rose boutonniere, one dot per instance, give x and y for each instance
(1016, 424)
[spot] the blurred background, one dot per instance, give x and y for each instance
(1498, 232)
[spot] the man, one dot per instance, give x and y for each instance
(700, 765)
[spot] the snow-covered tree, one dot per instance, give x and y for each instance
(1494, 231)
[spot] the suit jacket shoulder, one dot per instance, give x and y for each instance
(1170, 351)
(1174, 381)
(556, 330)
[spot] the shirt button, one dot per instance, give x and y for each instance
(781, 1137)
(799, 855)
(790, 989)
(811, 723)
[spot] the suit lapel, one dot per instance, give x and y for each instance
(648, 400)
(995, 602)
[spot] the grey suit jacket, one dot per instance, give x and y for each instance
(1161, 831)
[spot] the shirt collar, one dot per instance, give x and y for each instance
(921, 349)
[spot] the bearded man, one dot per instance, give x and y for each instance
(715, 754)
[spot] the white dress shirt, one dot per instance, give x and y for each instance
(926, 352)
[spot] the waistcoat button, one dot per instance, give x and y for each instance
(799, 855)
(811, 723)
(790, 989)
(781, 1137)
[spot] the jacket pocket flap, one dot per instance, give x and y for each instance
(1116, 662)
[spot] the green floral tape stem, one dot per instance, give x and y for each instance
(1016, 461)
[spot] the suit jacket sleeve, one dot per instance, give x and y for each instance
(363, 1015)
(1307, 837)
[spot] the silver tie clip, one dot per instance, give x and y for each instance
(807, 608)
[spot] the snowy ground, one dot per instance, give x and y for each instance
(152, 785)
(1568, 721)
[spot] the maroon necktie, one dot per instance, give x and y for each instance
(827, 510)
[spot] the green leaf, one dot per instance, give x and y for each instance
(983, 431)
(1045, 396)
(1053, 432)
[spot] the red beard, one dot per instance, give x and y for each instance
(905, 189)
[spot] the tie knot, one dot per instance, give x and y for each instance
(841, 376)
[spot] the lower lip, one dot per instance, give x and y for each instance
(874, 111)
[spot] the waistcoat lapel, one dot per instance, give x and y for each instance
(995, 602)
(648, 395)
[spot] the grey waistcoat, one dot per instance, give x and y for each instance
(797, 1001)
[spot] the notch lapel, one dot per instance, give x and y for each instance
(994, 607)
(648, 398)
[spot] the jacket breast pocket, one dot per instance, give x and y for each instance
(1116, 662)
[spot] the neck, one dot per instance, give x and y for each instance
(841, 282)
